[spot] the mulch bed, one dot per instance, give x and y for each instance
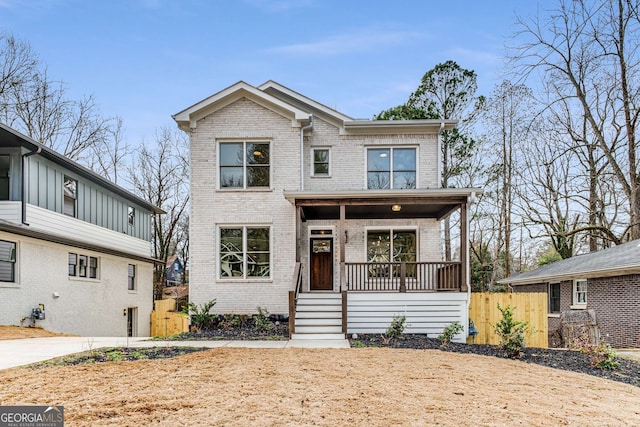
(568, 360)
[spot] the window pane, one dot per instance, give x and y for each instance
(93, 267)
(231, 177)
(5, 162)
(321, 156)
(404, 246)
(73, 261)
(82, 266)
(378, 159)
(378, 180)
(257, 239)
(404, 180)
(378, 246)
(257, 264)
(131, 214)
(231, 154)
(257, 154)
(7, 261)
(321, 169)
(131, 279)
(231, 254)
(404, 159)
(257, 176)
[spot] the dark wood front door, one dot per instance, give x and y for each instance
(321, 265)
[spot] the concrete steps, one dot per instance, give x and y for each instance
(318, 317)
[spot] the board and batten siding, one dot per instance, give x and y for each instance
(94, 204)
(426, 313)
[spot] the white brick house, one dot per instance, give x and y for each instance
(73, 246)
(292, 200)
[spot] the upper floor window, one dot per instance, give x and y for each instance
(321, 162)
(131, 215)
(244, 164)
(391, 168)
(5, 168)
(70, 196)
(7, 261)
(245, 252)
(580, 292)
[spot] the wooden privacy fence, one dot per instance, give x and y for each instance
(165, 321)
(527, 307)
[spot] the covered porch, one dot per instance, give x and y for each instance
(379, 261)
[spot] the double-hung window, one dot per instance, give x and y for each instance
(7, 261)
(131, 277)
(131, 215)
(70, 196)
(391, 168)
(245, 252)
(5, 173)
(321, 162)
(244, 164)
(554, 297)
(580, 292)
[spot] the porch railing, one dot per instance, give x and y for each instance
(293, 297)
(403, 276)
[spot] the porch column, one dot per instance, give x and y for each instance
(298, 232)
(341, 238)
(464, 246)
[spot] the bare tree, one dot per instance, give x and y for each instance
(109, 155)
(590, 51)
(17, 65)
(159, 174)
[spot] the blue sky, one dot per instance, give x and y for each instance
(145, 60)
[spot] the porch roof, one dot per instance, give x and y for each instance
(369, 204)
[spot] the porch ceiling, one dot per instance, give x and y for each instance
(436, 203)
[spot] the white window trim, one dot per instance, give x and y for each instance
(329, 160)
(391, 229)
(382, 147)
(574, 302)
(265, 279)
(244, 187)
(16, 269)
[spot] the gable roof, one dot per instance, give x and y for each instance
(187, 119)
(11, 137)
(299, 109)
(618, 260)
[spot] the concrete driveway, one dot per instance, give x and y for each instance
(31, 350)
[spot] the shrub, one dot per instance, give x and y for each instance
(449, 332)
(201, 318)
(511, 333)
(395, 329)
(261, 320)
(601, 356)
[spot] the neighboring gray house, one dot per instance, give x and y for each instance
(302, 210)
(73, 246)
(607, 281)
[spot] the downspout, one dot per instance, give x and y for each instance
(23, 190)
(439, 178)
(302, 159)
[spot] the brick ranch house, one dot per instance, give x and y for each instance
(304, 211)
(606, 281)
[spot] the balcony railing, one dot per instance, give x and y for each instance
(403, 276)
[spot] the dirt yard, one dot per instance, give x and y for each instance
(301, 387)
(16, 332)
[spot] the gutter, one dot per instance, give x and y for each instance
(440, 154)
(302, 159)
(24, 180)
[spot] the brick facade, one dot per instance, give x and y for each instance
(616, 301)
(212, 207)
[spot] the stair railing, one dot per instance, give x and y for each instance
(293, 297)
